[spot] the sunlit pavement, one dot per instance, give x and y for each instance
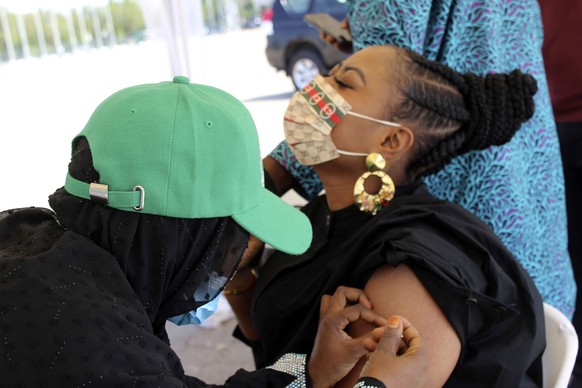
(210, 352)
(45, 102)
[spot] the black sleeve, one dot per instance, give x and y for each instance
(290, 368)
(254, 345)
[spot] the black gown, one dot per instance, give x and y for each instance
(69, 317)
(486, 295)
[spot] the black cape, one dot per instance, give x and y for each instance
(69, 317)
(486, 295)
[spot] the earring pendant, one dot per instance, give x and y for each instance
(373, 203)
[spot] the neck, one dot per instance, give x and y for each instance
(338, 184)
(339, 196)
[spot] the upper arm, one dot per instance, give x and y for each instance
(397, 290)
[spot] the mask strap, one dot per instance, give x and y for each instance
(389, 123)
(348, 153)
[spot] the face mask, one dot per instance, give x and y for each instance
(198, 316)
(310, 117)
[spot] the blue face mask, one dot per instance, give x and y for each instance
(196, 317)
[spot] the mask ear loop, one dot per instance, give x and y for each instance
(389, 123)
(348, 153)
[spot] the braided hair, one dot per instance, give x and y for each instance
(459, 113)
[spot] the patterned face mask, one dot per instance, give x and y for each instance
(310, 117)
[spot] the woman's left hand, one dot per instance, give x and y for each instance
(335, 353)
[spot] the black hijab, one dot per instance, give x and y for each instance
(175, 265)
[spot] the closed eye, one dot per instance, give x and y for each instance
(341, 83)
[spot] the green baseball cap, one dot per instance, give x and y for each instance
(184, 150)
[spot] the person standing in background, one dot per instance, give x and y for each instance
(563, 61)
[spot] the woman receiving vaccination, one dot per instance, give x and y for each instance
(380, 121)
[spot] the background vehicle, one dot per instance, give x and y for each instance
(294, 46)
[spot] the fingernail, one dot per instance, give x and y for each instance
(393, 322)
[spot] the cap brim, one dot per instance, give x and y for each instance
(278, 224)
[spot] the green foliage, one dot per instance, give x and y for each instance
(128, 20)
(214, 11)
(128, 23)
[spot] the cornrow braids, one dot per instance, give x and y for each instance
(435, 104)
(460, 113)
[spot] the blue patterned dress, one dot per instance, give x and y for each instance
(516, 188)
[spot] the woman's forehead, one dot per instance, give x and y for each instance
(374, 60)
(375, 54)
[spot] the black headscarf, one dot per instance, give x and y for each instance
(174, 265)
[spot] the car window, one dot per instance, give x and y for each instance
(296, 6)
(329, 6)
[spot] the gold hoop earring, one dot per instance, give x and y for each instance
(373, 203)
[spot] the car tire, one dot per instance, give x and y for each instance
(304, 66)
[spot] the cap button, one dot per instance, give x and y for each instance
(180, 79)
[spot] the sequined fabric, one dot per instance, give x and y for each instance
(516, 188)
(294, 365)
